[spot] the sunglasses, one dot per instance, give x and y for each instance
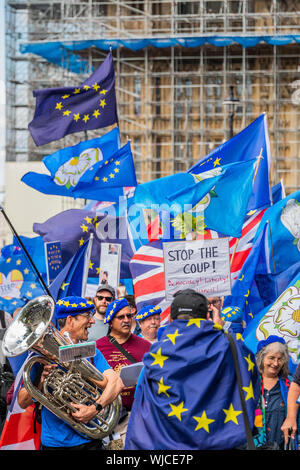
(214, 302)
(101, 297)
(128, 315)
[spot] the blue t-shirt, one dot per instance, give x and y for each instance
(57, 433)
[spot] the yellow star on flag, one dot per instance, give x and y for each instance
(86, 118)
(86, 87)
(104, 179)
(76, 91)
(102, 103)
(195, 321)
(172, 337)
(203, 422)
(60, 302)
(66, 112)
(96, 86)
(102, 92)
(88, 219)
(159, 358)
(231, 414)
(91, 265)
(76, 117)
(64, 285)
(96, 113)
(81, 241)
(84, 228)
(26, 271)
(58, 106)
(217, 162)
(249, 391)
(19, 261)
(250, 362)
(162, 388)
(177, 410)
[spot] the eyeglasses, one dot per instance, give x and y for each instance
(127, 315)
(87, 314)
(101, 297)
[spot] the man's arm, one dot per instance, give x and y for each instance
(113, 387)
(24, 397)
(292, 409)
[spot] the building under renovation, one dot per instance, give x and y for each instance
(177, 63)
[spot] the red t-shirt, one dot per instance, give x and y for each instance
(136, 346)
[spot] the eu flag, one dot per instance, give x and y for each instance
(18, 281)
(68, 165)
(114, 173)
(65, 110)
(188, 396)
(251, 142)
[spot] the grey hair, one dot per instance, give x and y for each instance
(277, 347)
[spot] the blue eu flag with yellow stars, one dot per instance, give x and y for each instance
(66, 110)
(188, 397)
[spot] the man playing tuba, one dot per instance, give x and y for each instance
(74, 315)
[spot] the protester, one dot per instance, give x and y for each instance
(272, 360)
(135, 328)
(122, 348)
(188, 396)
(216, 302)
(290, 426)
(74, 317)
(149, 320)
(104, 295)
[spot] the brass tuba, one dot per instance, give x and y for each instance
(77, 381)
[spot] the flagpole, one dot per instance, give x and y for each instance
(25, 250)
(269, 225)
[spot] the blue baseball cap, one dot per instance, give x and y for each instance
(72, 305)
(269, 340)
(114, 307)
(147, 311)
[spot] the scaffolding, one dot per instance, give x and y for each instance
(170, 99)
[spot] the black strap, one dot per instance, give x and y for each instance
(251, 445)
(123, 350)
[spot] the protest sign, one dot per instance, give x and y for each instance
(202, 265)
(53, 259)
(110, 261)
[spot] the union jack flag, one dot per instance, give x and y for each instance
(19, 431)
(147, 264)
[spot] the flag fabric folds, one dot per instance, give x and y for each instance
(280, 319)
(65, 110)
(284, 232)
(19, 431)
(251, 142)
(172, 411)
(256, 262)
(105, 180)
(220, 197)
(19, 283)
(70, 280)
(68, 165)
(73, 227)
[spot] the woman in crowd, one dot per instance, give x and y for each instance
(273, 364)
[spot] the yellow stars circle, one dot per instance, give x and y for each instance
(203, 422)
(177, 410)
(231, 414)
(159, 359)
